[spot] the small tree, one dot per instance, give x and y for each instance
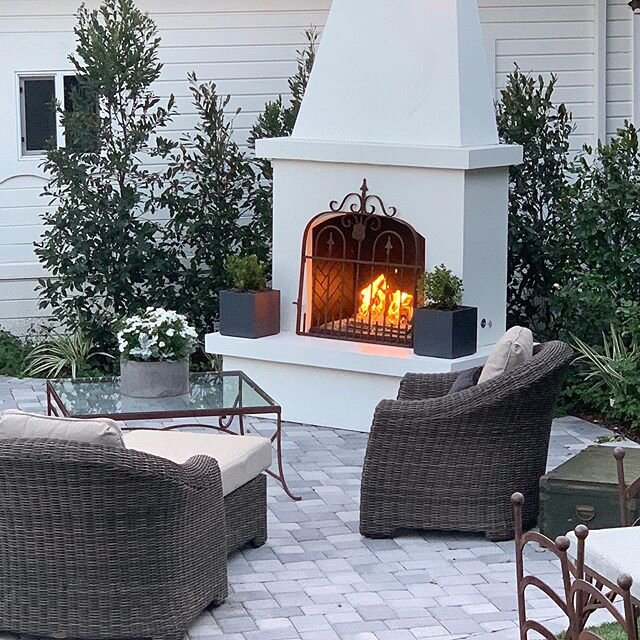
(208, 183)
(527, 116)
(277, 120)
(598, 240)
(106, 251)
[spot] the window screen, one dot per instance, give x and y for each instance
(38, 113)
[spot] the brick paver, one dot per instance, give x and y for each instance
(318, 579)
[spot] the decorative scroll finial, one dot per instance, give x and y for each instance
(363, 204)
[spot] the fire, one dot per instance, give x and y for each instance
(380, 305)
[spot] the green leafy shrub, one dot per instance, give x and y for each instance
(598, 239)
(527, 115)
(441, 289)
(13, 352)
(61, 355)
(615, 369)
(207, 185)
(247, 273)
(104, 245)
(573, 235)
(613, 365)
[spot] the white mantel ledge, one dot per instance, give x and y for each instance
(432, 157)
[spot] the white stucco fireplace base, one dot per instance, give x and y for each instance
(328, 383)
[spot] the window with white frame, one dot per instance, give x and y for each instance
(39, 123)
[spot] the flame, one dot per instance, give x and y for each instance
(380, 305)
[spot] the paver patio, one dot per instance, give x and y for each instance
(318, 579)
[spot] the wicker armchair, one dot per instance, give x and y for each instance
(452, 462)
(99, 542)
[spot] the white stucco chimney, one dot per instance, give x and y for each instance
(408, 72)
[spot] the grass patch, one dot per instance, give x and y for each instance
(608, 631)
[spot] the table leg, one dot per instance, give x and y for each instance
(277, 438)
(52, 404)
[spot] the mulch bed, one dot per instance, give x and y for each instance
(619, 429)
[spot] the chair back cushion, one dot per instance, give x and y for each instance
(18, 424)
(513, 349)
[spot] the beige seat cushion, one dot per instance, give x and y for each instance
(18, 424)
(240, 458)
(513, 349)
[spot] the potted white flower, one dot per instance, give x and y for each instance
(154, 349)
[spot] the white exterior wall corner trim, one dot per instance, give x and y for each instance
(600, 72)
(636, 66)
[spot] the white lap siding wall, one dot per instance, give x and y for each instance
(248, 47)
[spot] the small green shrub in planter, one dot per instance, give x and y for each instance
(250, 309)
(442, 328)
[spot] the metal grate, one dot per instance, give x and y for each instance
(346, 251)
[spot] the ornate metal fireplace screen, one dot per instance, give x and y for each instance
(360, 267)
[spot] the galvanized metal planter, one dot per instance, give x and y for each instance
(445, 334)
(249, 314)
(154, 379)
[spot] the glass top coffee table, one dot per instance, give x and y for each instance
(223, 395)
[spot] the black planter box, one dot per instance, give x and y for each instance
(445, 334)
(249, 315)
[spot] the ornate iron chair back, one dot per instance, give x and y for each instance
(625, 492)
(588, 598)
(559, 548)
(580, 597)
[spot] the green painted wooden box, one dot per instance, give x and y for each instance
(584, 490)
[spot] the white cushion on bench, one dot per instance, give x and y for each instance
(240, 458)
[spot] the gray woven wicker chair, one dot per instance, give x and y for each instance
(443, 462)
(99, 542)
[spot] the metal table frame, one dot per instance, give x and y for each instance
(225, 415)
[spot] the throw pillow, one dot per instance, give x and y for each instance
(18, 424)
(513, 349)
(465, 380)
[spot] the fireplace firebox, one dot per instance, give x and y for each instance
(359, 273)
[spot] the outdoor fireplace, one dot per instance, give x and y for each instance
(417, 119)
(359, 273)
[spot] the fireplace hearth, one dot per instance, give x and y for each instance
(359, 273)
